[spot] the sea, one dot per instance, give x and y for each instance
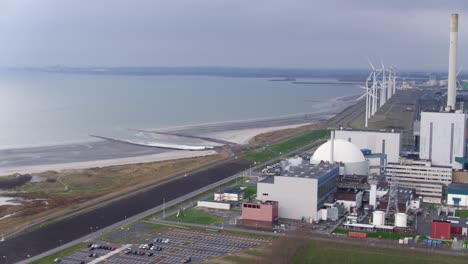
(49, 108)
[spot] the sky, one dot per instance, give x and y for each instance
(323, 34)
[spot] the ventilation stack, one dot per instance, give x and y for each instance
(452, 73)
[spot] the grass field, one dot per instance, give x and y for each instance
(87, 185)
(384, 235)
(50, 259)
(461, 213)
(250, 191)
(263, 154)
(325, 252)
(196, 216)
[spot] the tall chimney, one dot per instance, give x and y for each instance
(452, 73)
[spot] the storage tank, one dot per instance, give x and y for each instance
(400, 219)
(378, 218)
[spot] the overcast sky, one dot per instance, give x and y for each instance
(245, 33)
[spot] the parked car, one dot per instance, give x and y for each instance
(187, 260)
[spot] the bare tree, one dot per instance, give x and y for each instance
(284, 249)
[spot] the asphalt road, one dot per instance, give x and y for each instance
(69, 229)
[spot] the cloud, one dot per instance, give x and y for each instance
(263, 33)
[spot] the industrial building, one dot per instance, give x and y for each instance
(351, 199)
(381, 142)
(300, 190)
(234, 194)
(257, 213)
(441, 230)
(350, 157)
(443, 138)
(428, 181)
(404, 198)
(457, 194)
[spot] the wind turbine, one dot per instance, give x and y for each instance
(458, 80)
(373, 106)
(383, 94)
(369, 96)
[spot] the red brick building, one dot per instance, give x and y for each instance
(441, 230)
(259, 213)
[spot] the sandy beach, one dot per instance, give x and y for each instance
(103, 153)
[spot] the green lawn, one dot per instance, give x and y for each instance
(196, 216)
(264, 154)
(249, 191)
(50, 259)
(461, 213)
(326, 252)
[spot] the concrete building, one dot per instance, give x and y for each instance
(428, 180)
(443, 138)
(350, 157)
(301, 190)
(351, 199)
(381, 142)
(260, 211)
(234, 194)
(457, 194)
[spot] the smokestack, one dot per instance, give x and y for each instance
(452, 73)
(332, 143)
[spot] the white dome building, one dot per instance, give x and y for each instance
(344, 152)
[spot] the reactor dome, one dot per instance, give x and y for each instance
(345, 153)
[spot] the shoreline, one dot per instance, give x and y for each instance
(240, 132)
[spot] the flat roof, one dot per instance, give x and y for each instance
(268, 202)
(269, 179)
(308, 170)
(458, 188)
(372, 131)
(404, 195)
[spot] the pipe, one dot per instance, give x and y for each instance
(452, 72)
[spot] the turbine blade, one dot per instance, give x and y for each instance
(370, 63)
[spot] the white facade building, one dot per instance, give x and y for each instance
(214, 205)
(457, 194)
(229, 194)
(426, 179)
(380, 142)
(443, 138)
(350, 199)
(301, 190)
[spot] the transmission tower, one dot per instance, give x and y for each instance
(392, 205)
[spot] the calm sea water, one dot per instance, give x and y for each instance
(52, 108)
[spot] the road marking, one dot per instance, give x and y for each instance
(110, 254)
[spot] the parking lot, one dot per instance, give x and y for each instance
(183, 243)
(83, 254)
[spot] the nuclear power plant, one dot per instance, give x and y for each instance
(366, 179)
